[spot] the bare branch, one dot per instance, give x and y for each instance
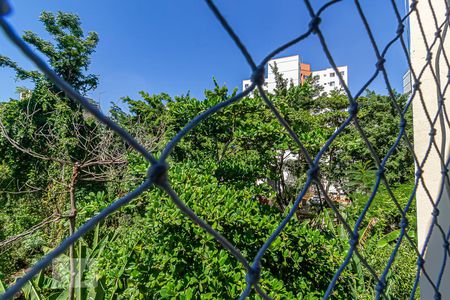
(25, 150)
(103, 162)
(53, 218)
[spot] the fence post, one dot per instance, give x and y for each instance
(435, 254)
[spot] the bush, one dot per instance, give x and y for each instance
(164, 254)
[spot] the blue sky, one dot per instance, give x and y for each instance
(178, 46)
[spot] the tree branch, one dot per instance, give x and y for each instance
(25, 150)
(53, 218)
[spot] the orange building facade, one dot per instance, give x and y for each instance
(305, 72)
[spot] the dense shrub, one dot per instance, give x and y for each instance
(161, 252)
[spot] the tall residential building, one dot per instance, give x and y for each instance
(290, 67)
(407, 82)
(329, 80)
(295, 71)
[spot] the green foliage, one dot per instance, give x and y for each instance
(69, 54)
(230, 169)
(89, 286)
(380, 123)
(361, 177)
(43, 134)
(248, 143)
(160, 252)
(384, 236)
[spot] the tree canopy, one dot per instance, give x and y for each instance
(239, 170)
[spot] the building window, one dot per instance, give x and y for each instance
(342, 73)
(246, 86)
(332, 83)
(332, 74)
(316, 77)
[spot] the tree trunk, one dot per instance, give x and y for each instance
(72, 224)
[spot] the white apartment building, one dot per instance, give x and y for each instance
(295, 71)
(407, 82)
(290, 67)
(329, 80)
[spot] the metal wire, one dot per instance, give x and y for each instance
(157, 173)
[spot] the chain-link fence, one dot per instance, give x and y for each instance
(427, 62)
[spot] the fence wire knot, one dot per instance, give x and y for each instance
(258, 75)
(314, 24)
(437, 34)
(353, 109)
(446, 244)
(419, 172)
(5, 8)
(253, 275)
(380, 64)
(380, 287)
(404, 223)
(353, 242)
(432, 132)
(313, 171)
(416, 85)
(420, 262)
(435, 212)
(380, 171)
(158, 173)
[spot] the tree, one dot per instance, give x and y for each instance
(46, 139)
(68, 54)
(44, 110)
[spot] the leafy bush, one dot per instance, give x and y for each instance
(383, 236)
(160, 252)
